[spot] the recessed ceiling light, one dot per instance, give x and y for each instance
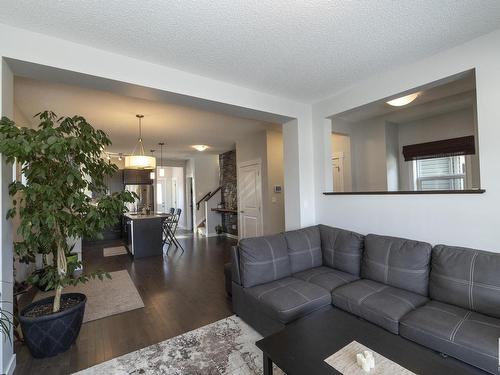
(200, 147)
(404, 100)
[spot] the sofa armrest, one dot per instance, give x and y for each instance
(235, 265)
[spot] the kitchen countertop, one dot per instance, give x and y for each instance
(144, 216)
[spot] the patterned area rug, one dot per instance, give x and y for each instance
(226, 347)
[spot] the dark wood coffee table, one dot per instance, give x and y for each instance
(301, 347)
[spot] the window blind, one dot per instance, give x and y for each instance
(440, 149)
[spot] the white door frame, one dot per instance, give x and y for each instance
(257, 162)
(189, 202)
(174, 194)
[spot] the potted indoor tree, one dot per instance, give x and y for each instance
(61, 162)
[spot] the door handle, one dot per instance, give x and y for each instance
(242, 212)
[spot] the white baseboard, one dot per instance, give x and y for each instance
(222, 235)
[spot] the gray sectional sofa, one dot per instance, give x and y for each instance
(446, 298)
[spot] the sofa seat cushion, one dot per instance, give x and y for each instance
(466, 335)
(378, 303)
(288, 299)
(326, 277)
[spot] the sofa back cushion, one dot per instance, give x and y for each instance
(397, 262)
(304, 248)
(263, 259)
(342, 249)
(467, 278)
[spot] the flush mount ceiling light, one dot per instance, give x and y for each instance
(200, 147)
(161, 171)
(404, 100)
(139, 161)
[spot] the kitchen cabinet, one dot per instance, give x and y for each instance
(144, 234)
(137, 177)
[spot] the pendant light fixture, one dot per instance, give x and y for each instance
(152, 173)
(139, 160)
(161, 171)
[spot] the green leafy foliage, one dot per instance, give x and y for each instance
(61, 161)
(6, 320)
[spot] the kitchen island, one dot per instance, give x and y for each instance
(144, 234)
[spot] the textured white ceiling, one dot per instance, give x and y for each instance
(299, 49)
(179, 127)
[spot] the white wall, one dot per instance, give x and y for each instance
(205, 169)
(467, 220)
(252, 147)
(368, 153)
(7, 356)
(392, 155)
(19, 117)
(274, 201)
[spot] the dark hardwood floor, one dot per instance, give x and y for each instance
(180, 293)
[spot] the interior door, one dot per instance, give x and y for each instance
(250, 200)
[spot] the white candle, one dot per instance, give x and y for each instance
(366, 366)
(369, 358)
(360, 359)
(363, 362)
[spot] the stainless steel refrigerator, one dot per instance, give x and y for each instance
(146, 198)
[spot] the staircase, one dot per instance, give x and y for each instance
(206, 226)
(202, 229)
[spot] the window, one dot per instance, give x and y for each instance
(446, 173)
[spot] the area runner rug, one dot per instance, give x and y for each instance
(112, 251)
(107, 297)
(226, 347)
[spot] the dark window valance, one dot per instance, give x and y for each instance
(440, 149)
